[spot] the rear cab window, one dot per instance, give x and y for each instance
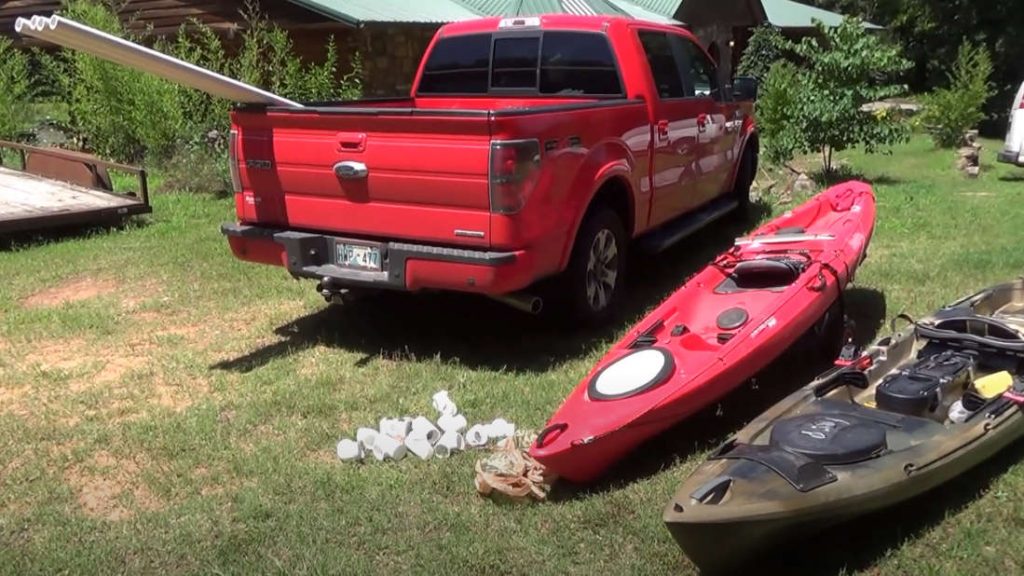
(540, 63)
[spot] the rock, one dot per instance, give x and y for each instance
(803, 184)
(973, 171)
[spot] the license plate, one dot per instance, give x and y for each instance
(359, 256)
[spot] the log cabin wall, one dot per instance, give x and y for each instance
(390, 53)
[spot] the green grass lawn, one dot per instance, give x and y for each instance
(166, 408)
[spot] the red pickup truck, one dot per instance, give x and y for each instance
(532, 154)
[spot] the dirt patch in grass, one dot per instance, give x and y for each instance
(117, 367)
(72, 291)
(178, 398)
(111, 488)
(58, 354)
(12, 401)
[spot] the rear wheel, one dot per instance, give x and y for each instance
(591, 288)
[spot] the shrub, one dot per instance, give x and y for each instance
(949, 112)
(766, 47)
(130, 115)
(818, 106)
(782, 87)
(119, 112)
(15, 89)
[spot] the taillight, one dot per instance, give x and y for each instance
(236, 179)
(515, 165)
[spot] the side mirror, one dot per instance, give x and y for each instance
(745, 88)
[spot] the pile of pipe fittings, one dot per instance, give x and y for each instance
(394, 438)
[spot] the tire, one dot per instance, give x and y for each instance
(600, 245)
(745, 175)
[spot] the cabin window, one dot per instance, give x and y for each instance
(549, 63)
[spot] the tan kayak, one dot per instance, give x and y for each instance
(910, 413)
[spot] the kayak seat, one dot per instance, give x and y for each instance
(761, 274)
(830, 438)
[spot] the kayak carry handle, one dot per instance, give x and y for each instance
(543, 437)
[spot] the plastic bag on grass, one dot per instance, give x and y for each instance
(509, 472)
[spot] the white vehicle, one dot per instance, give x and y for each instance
(1013, 149)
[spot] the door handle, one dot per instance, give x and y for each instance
(663, 129)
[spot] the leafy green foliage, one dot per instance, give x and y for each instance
(766, 47)
(951, 111)
(120, 113)
(15, 89)
(130, 115)
(819, 107)
(930, 32)
(776, 104)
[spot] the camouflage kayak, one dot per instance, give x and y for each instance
(911, 412)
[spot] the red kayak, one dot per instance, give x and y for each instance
(719, 329)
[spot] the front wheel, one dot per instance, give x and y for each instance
(745, 175)
(591, 288)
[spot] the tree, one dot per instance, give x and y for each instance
(930, 32)
(949, 112)
(766, 47)
(15, 89)
(818, 106)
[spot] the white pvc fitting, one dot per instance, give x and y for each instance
(349, 450)
(423, 427)
(444, 405)
(387, 448)
(477, 436)
(452, 423)
(397, 428)
(419, 444)
(450, 443)
(366, 438)
(500, 429)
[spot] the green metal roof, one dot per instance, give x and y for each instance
(662, 7)
(440, 11)
(781, 13)
(649, 10)
(789, 14)
(397, 11)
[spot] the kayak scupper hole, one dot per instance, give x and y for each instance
(678, 508)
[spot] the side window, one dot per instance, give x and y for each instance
(701, 74)
(578, 63)
(664, 66)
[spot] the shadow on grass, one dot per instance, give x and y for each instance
(844, 173)
(712, 426)
(1018, 177)
(480, 333)
(26, 240)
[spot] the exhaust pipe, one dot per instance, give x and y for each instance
(522, 302)
(71, 34)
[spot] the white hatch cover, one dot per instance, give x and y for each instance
(634, 373)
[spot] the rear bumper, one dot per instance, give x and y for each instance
(1010, 158)
(406, 267)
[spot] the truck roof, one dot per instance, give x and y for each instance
(544, 21)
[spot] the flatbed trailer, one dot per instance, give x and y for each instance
(56, 188)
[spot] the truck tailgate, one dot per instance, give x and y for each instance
(425, 178)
